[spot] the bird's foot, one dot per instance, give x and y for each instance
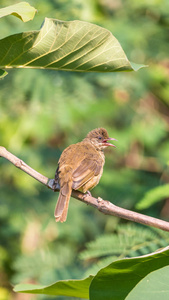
(88, 193)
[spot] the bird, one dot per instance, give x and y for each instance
(80, 167)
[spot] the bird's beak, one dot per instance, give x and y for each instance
(108, 144)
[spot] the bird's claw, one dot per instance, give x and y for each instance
(88, 193)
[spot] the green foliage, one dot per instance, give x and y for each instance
(128, 240)
(21, 10)
(43, 111)
(120, 280)
(157, 280)
(60, 45)
(153, 196)
(2, 74)
(70, 288)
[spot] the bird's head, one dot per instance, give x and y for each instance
(99, 138)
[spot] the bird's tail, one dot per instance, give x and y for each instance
(63, 202)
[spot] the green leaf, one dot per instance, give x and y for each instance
(2, 73)
(157, 194)
(61, 45)
(70, 288)
(153, 287)
(137, 67)
(115, 281)
(118, 279)
(22, 10)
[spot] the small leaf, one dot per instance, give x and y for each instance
(157, 194)
(61, 45)
(70, 288)
(137, 67)
(2, 73)
(22, 10)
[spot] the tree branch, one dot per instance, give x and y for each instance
(103, 206)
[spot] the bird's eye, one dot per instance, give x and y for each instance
(99, 137)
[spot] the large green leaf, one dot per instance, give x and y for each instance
(154, 286)
(21, 10)
(61, 45)
(115, 281)
(118, 279)
(71, 288)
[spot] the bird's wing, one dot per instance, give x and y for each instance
(87, 169)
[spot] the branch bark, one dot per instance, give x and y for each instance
(103, 206)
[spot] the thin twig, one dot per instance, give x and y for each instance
(103, 206)
(20, 164)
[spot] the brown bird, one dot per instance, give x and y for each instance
(80, 168)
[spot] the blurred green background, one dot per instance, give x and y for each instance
(42, 112)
